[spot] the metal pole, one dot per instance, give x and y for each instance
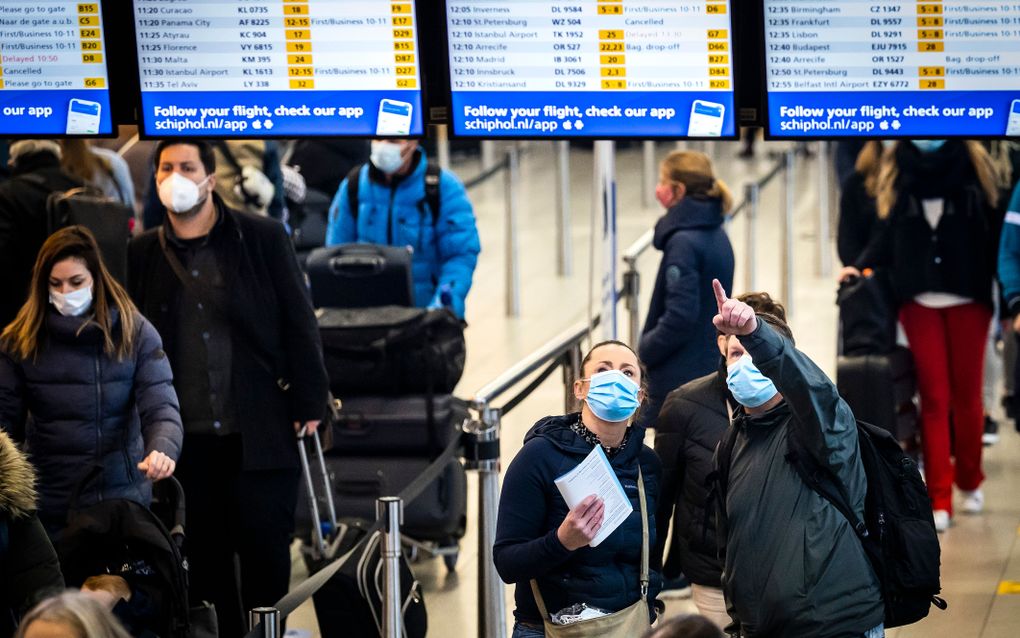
(604, 205)
(564, 245)
(390, 510)
(824, 178)
(789, 199)
(650, 173)
(488, 154)
(269, 617)
(442, 146)
(492, 602)
(571, 372)
(513, 278)
(632, 288)
(752, 193)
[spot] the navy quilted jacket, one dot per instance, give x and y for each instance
(75, 407)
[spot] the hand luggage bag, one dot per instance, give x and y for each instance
(350, 603)
(880, 389)
(396, 426)
(360, 276)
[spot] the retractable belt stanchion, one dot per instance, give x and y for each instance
(789, 200)
(390, 510)
(443, 146)
(488, 153)
(651, 176)
(564, 246)
(481, 447)
(824, 204)
(266, 617)
(513, 276)
(752, 195)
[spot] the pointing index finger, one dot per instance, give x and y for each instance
(720, 293)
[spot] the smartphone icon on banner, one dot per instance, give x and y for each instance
(394, 118)
(83, 117)
(1013, 127)
(706, 119)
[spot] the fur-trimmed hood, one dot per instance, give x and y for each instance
(17, 481)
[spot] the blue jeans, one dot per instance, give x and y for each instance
(877, 632)
(520, 631)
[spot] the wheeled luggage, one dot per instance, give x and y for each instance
(880, 389)
(360, 276)
(350, 603)
(867, 315)
(396, 426)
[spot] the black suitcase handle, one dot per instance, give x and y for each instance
(357, 265)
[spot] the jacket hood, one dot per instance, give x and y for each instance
(556, 430)
(17, 480)
(690, 213)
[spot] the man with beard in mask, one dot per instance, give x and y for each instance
(793, 564)
(692, 422)
(224, 290)
(392, 207)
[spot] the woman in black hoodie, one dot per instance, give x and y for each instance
(542, 546)
(938, 238)
(678, 342)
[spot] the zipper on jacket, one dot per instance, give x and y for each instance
(99, 423)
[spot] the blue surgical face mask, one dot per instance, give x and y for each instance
(386, 157)
(748, 385)
(612, 396)
(928, 146)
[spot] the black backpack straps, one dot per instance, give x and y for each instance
(433, 174)
(353, 185)
(717, 483)
(822, 481)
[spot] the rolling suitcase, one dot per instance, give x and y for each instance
(880, 389)
(360, 276)
(396, 426)
(350, 603)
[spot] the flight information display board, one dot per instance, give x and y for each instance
(591, 68)
(53, 76)
(259, 68)
(914, 68)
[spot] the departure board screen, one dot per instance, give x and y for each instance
(917, 68)
(53, 76)
(258, 68)
(591, 68)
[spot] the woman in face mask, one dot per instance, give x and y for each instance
(678, 342)
(542, 546)
(938, 240)
(88, 373)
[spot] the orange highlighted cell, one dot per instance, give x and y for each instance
(88, 7)
(300, 58)
(302, 84)
(929, 47)
(610, 34)
(299, 47)
(614, 85)
(407, 83)
(718, 46)
(95, 83)
(614, 72)
(300, 71)
(933, 84)
(613, 59)
(718, 84)
(715, 9)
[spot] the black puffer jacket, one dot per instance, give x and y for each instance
(76, 407)
(28, 565)
(691, 423)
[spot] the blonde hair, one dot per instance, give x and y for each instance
(869, 165)
(78, 612)
(80, 162)
(889, 174)
(694, 170)
(21, 338)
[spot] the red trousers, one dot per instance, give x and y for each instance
(949, 353)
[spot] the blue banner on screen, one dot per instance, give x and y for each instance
(356, 113)
(45, 113)
(912, 114)
(256, 69)
(848, 68)
(593, 114)
(53, 77)
(591, 68)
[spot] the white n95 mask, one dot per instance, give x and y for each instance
(74, 303)
(386, 157)
(179, 194)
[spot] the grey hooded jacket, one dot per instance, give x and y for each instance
(794, 566)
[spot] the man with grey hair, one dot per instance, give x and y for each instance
(35, 174)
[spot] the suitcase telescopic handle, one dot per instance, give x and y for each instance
(313, 502)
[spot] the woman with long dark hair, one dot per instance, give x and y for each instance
(85, 384)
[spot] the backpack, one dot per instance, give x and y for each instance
(109, 221)
(898, 533)
(432, 175)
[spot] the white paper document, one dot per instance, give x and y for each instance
(595, 476)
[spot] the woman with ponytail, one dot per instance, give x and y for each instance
(936, 202)
(678, 343)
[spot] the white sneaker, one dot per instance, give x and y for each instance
(941, 520)
(973, 501)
